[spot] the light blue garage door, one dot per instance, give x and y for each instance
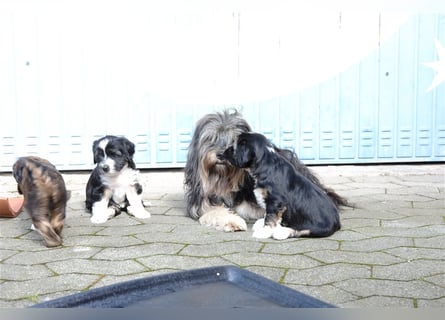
(359, 88)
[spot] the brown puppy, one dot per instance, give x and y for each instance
(45, 196)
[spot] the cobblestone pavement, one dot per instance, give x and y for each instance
(389, 253)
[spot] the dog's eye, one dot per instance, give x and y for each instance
(114, 153)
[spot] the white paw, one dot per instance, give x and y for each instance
(262, 233)
(138, 212)
(32, 227)
(101, 216)
(259, 224)
(281, 233)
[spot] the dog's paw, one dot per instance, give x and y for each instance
(263, 232)
(102, 216)
(282, 233)
(140, 213)
(98, 219)
(235, 223)
(259, 224)
(223, 219)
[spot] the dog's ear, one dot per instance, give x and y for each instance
(95, 145)
(17, 170)
(244, 155)
(129, 149)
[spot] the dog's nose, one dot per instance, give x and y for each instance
(106, 168)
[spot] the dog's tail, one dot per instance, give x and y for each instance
(338, 200)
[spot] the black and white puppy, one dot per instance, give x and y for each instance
(113, 185)
(295, 206)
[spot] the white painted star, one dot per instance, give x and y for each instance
(438, 66)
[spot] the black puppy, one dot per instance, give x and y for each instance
(295, 206)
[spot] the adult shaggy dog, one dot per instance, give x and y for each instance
(217, 193)
(295, 207)
(45, 196)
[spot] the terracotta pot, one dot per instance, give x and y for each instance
(10, 207)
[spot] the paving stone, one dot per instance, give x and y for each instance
(23, 244)
(421, 184)
(73, 230)
(99, 267)
(379, 208)
(433, 204)
(271, 260)
(80, 219)
(327, 274)
(431, 242)
(102, 241)
(112, 279)
(5, 254)
(123, 219)
(177, 262)
(382, 184)
(408, 198)
(148, 228)
(20, 272)
(368, 258)
(427, 178)
(420, 232)
(12, 229)
(327, 293)
(16, 304)
(376, 244)
(410, 270)
(350, 223)
(193, 235)
(437, 279)
(274, 274)
(334, 181)
(380, 302)
(76, 205)
(435, 303)
(300, 246)
(138, 251)
(368, 211)
(343, 235)
(364, 192)
(403, 289)
(411, 253)
(413, 222)
(13, 290)
(51, 255)
(174, 211)
(221, 248)
(424, 212)
(422, 190)
(172, 220)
